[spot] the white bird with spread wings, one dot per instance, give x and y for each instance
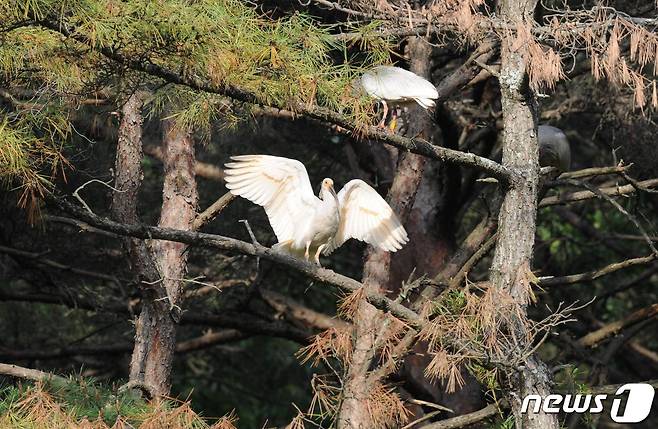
(304, 224)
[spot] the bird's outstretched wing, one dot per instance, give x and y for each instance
(366, 216)
(280, 185)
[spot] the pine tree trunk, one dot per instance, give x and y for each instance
(517, 220)
(158, 271)
(354, 412)
(155, 337)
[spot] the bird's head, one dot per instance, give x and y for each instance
(327, 188)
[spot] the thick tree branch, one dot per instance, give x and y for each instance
(230, 244)
(416, 145)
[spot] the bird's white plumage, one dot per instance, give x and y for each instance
(280, 185)
(304, 223)
(366, 216)
(390, 83)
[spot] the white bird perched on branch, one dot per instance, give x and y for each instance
(388, 83)
(305, 224)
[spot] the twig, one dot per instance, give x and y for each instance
(617, 206)
(637, 185)
(422, 419)
(76, 193)
(211, 212)
(487, 67)
(472, 261)
(594, 171)
(251, 233)
(430, 404)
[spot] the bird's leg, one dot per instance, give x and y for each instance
(394, 120)
(383, 121)
(306, 255)
(317, 254)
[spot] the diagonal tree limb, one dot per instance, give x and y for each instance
(595, 337)
(593, 275)
(415, 145)
(230, 244)
(612, 191)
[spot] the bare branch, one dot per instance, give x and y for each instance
(211, 212)
(594, 338)
(593, 275)
(201, 169)
(230, 244)
(300, 313)
(464, 420)
(28, 373)
(612, 191)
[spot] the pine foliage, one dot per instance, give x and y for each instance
(63, 54)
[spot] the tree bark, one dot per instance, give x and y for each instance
(158, 271)
(155, 337)
(518, 213)
(369, 322)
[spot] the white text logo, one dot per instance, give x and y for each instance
(638, 406)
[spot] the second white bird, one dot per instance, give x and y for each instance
(304, 224)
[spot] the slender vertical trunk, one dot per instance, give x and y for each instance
(128, 179)
(155, 337)
(354, 412)
(517, 221)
